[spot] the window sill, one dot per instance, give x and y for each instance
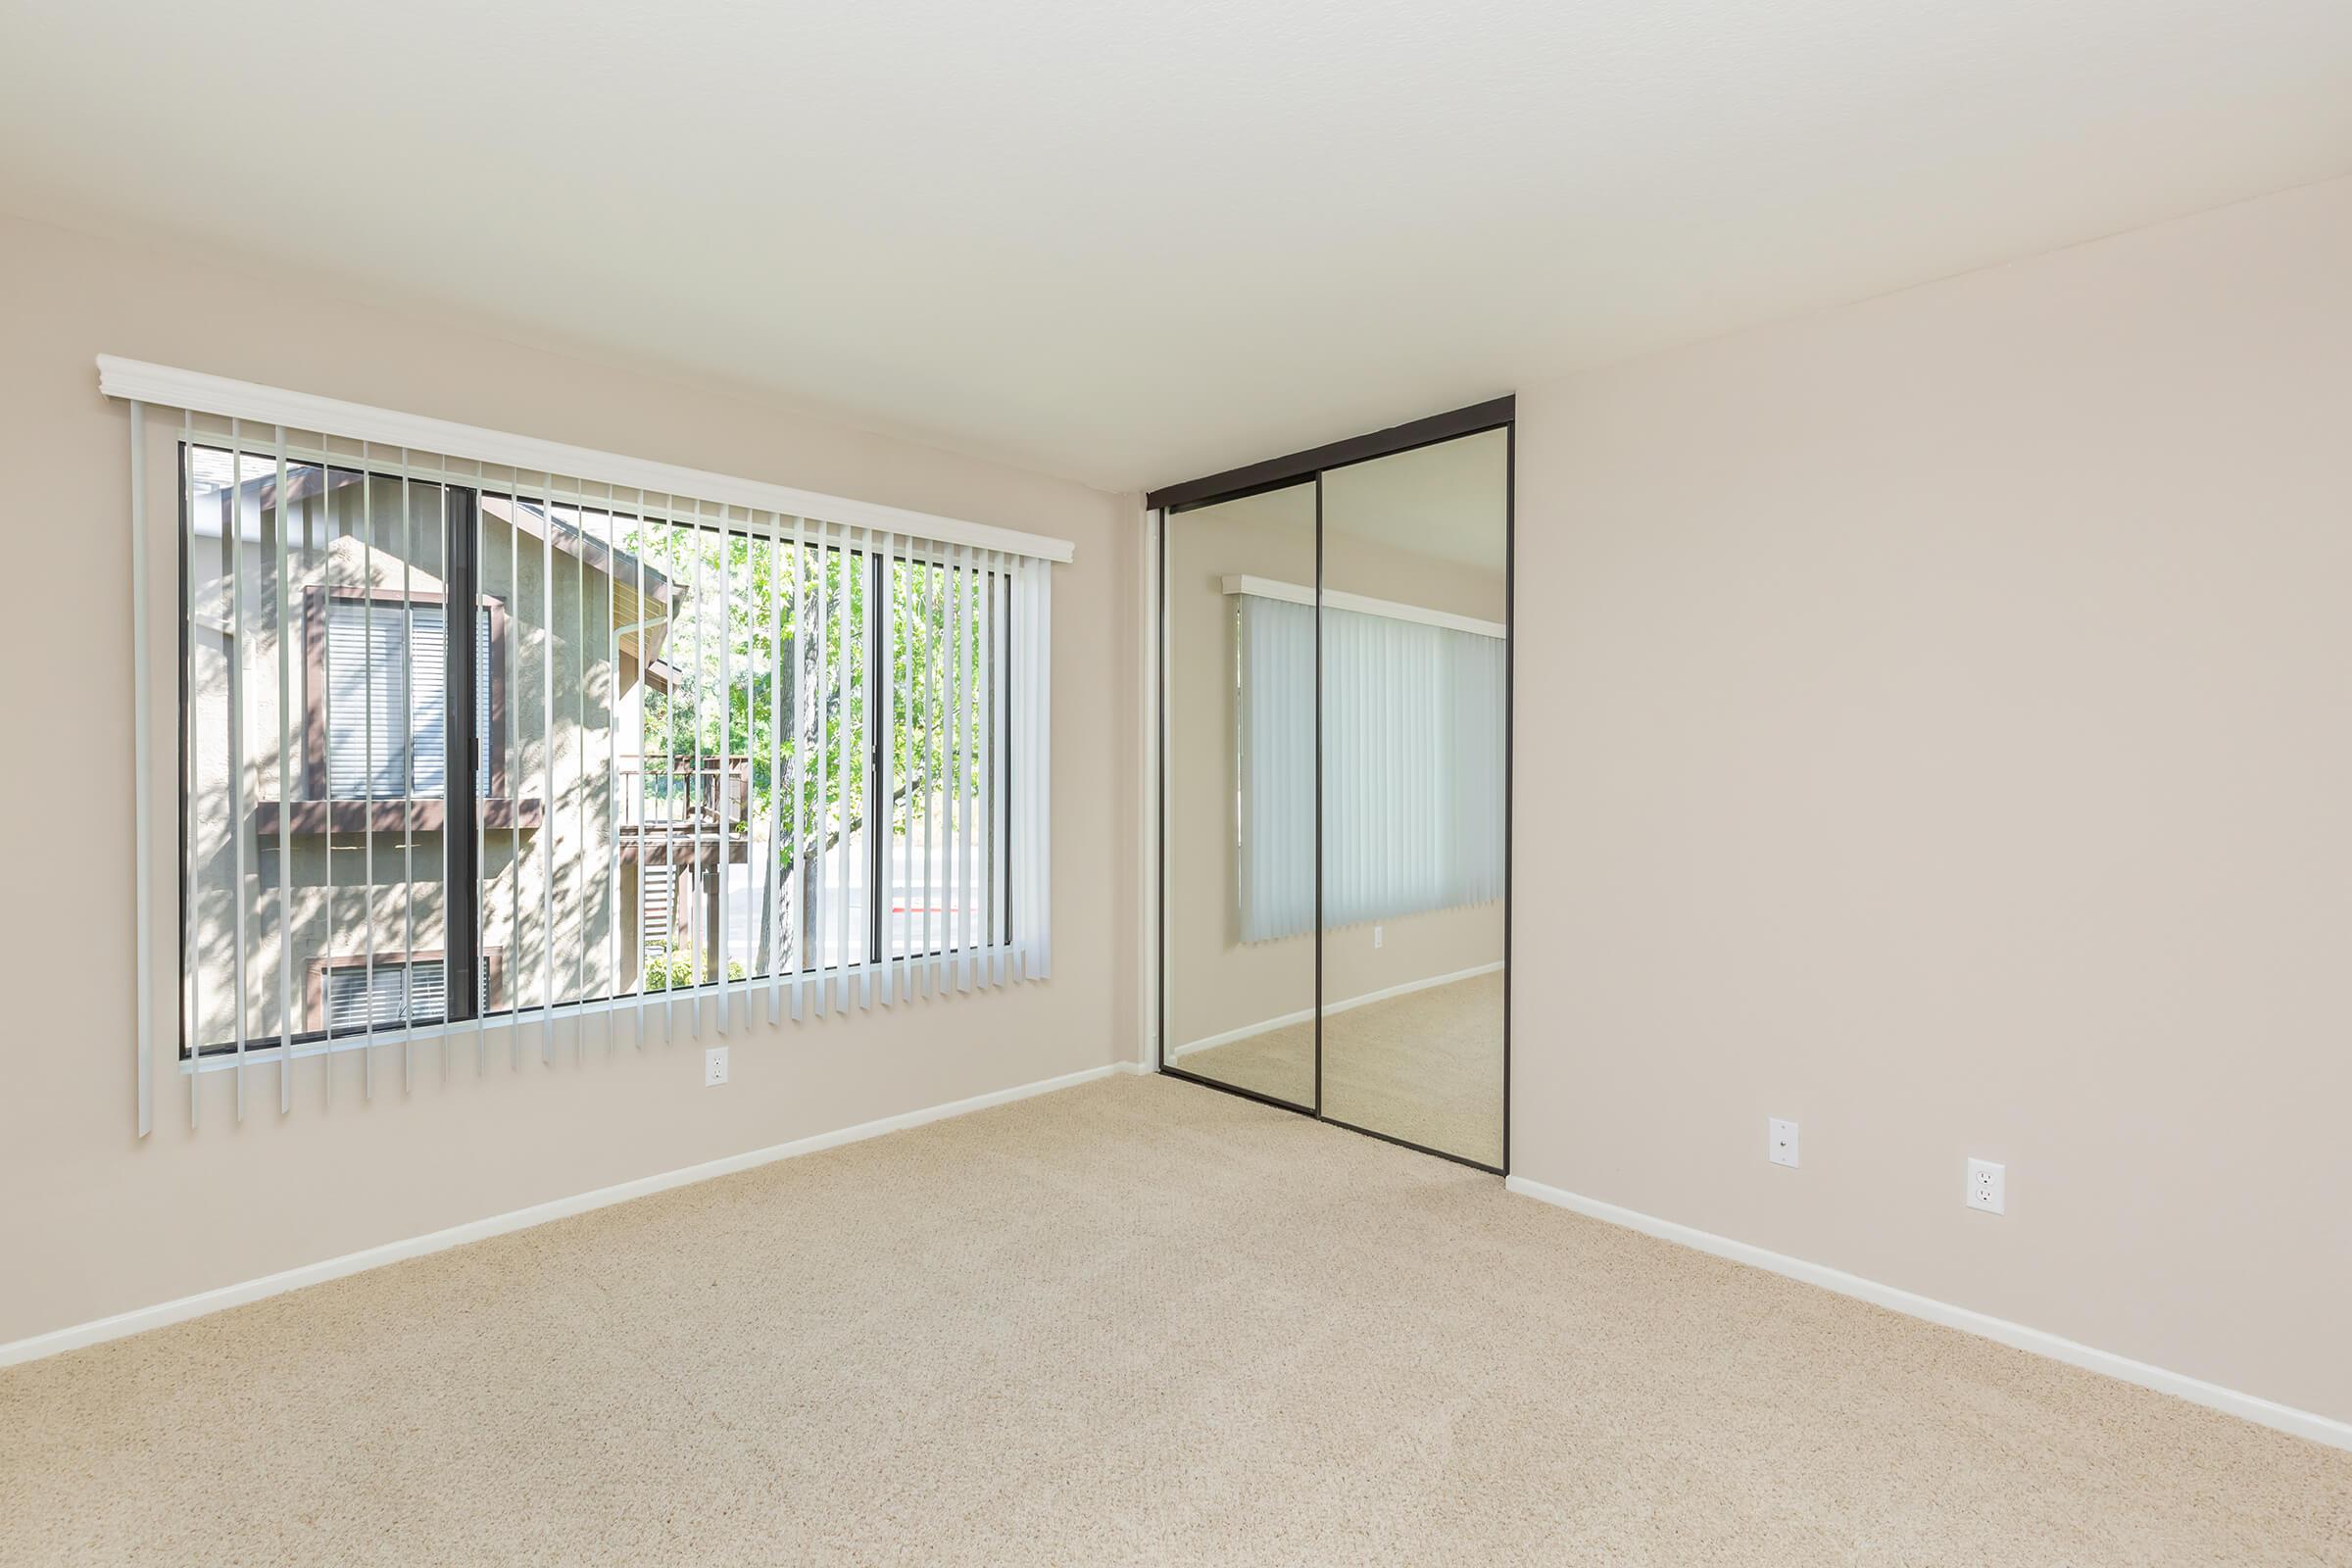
(842, 990)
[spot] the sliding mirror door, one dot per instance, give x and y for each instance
(1239, 811)
(1415, 600)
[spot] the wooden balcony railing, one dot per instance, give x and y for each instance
(658, 793)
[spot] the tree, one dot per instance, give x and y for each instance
(756, 620)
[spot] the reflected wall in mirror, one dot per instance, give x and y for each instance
(1415, 601)
(1239, 855)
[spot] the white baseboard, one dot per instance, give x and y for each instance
(2267, 1413)
(1250, 1031)
(140, 1319)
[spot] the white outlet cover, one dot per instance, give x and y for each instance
(1376, 935)
(1988, 1187)
(715, 1067)
(1779, 1141)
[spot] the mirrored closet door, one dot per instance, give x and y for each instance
(1239, 801)
(1413, 605)
(1334, 674)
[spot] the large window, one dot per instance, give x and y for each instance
(706, 759)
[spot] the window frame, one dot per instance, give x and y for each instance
(318, 814)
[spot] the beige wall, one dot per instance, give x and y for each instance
(1936, 725)
(95, 1221)
(1216, 982)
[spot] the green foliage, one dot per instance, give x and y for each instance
(678, 969)
(783, 611)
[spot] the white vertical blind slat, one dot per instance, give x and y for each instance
(283, 616)
(772, 887)
(953, 941)
(406, 753)
(232, 552)
(549, 812)
(849, 751)
(669, 814)
(724, 817)
(1038, 739)
(325, 597)
(190, 982)
(927, 590)
(697, 925)
(861, 860)
(142, 773)
(856, 764)
(635, 960)
(967, 907)
(997, 802)
(610, 638)
(513, 779)
(886, 707)
(577, 780)
(366, 588)
(482, 740)
(821, 757)
(796, 765)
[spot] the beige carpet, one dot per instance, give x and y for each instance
(1136, 1322)
(1426, 1066)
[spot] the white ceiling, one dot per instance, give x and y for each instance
(1138, 243)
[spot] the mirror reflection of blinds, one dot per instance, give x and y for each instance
(387, 699)
(1412, 766)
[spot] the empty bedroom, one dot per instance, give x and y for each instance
(1184, 784)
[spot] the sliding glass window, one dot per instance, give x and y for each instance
(572, 751)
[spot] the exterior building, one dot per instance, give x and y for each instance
(342, 834)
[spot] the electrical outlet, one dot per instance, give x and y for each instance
(715, 1067)
(1376, 936)
(1988, 1187)
(1780, 1143)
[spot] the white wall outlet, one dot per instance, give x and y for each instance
(715, 1067)
(1376, 936)
(1779, 1141)
(1988, 1187)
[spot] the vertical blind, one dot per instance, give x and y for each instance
(1412, 719)
(725, 765)
(1274, 753)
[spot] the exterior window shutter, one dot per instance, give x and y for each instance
(367, 698)
(354, 999)
(482, 701)
(428, 713)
